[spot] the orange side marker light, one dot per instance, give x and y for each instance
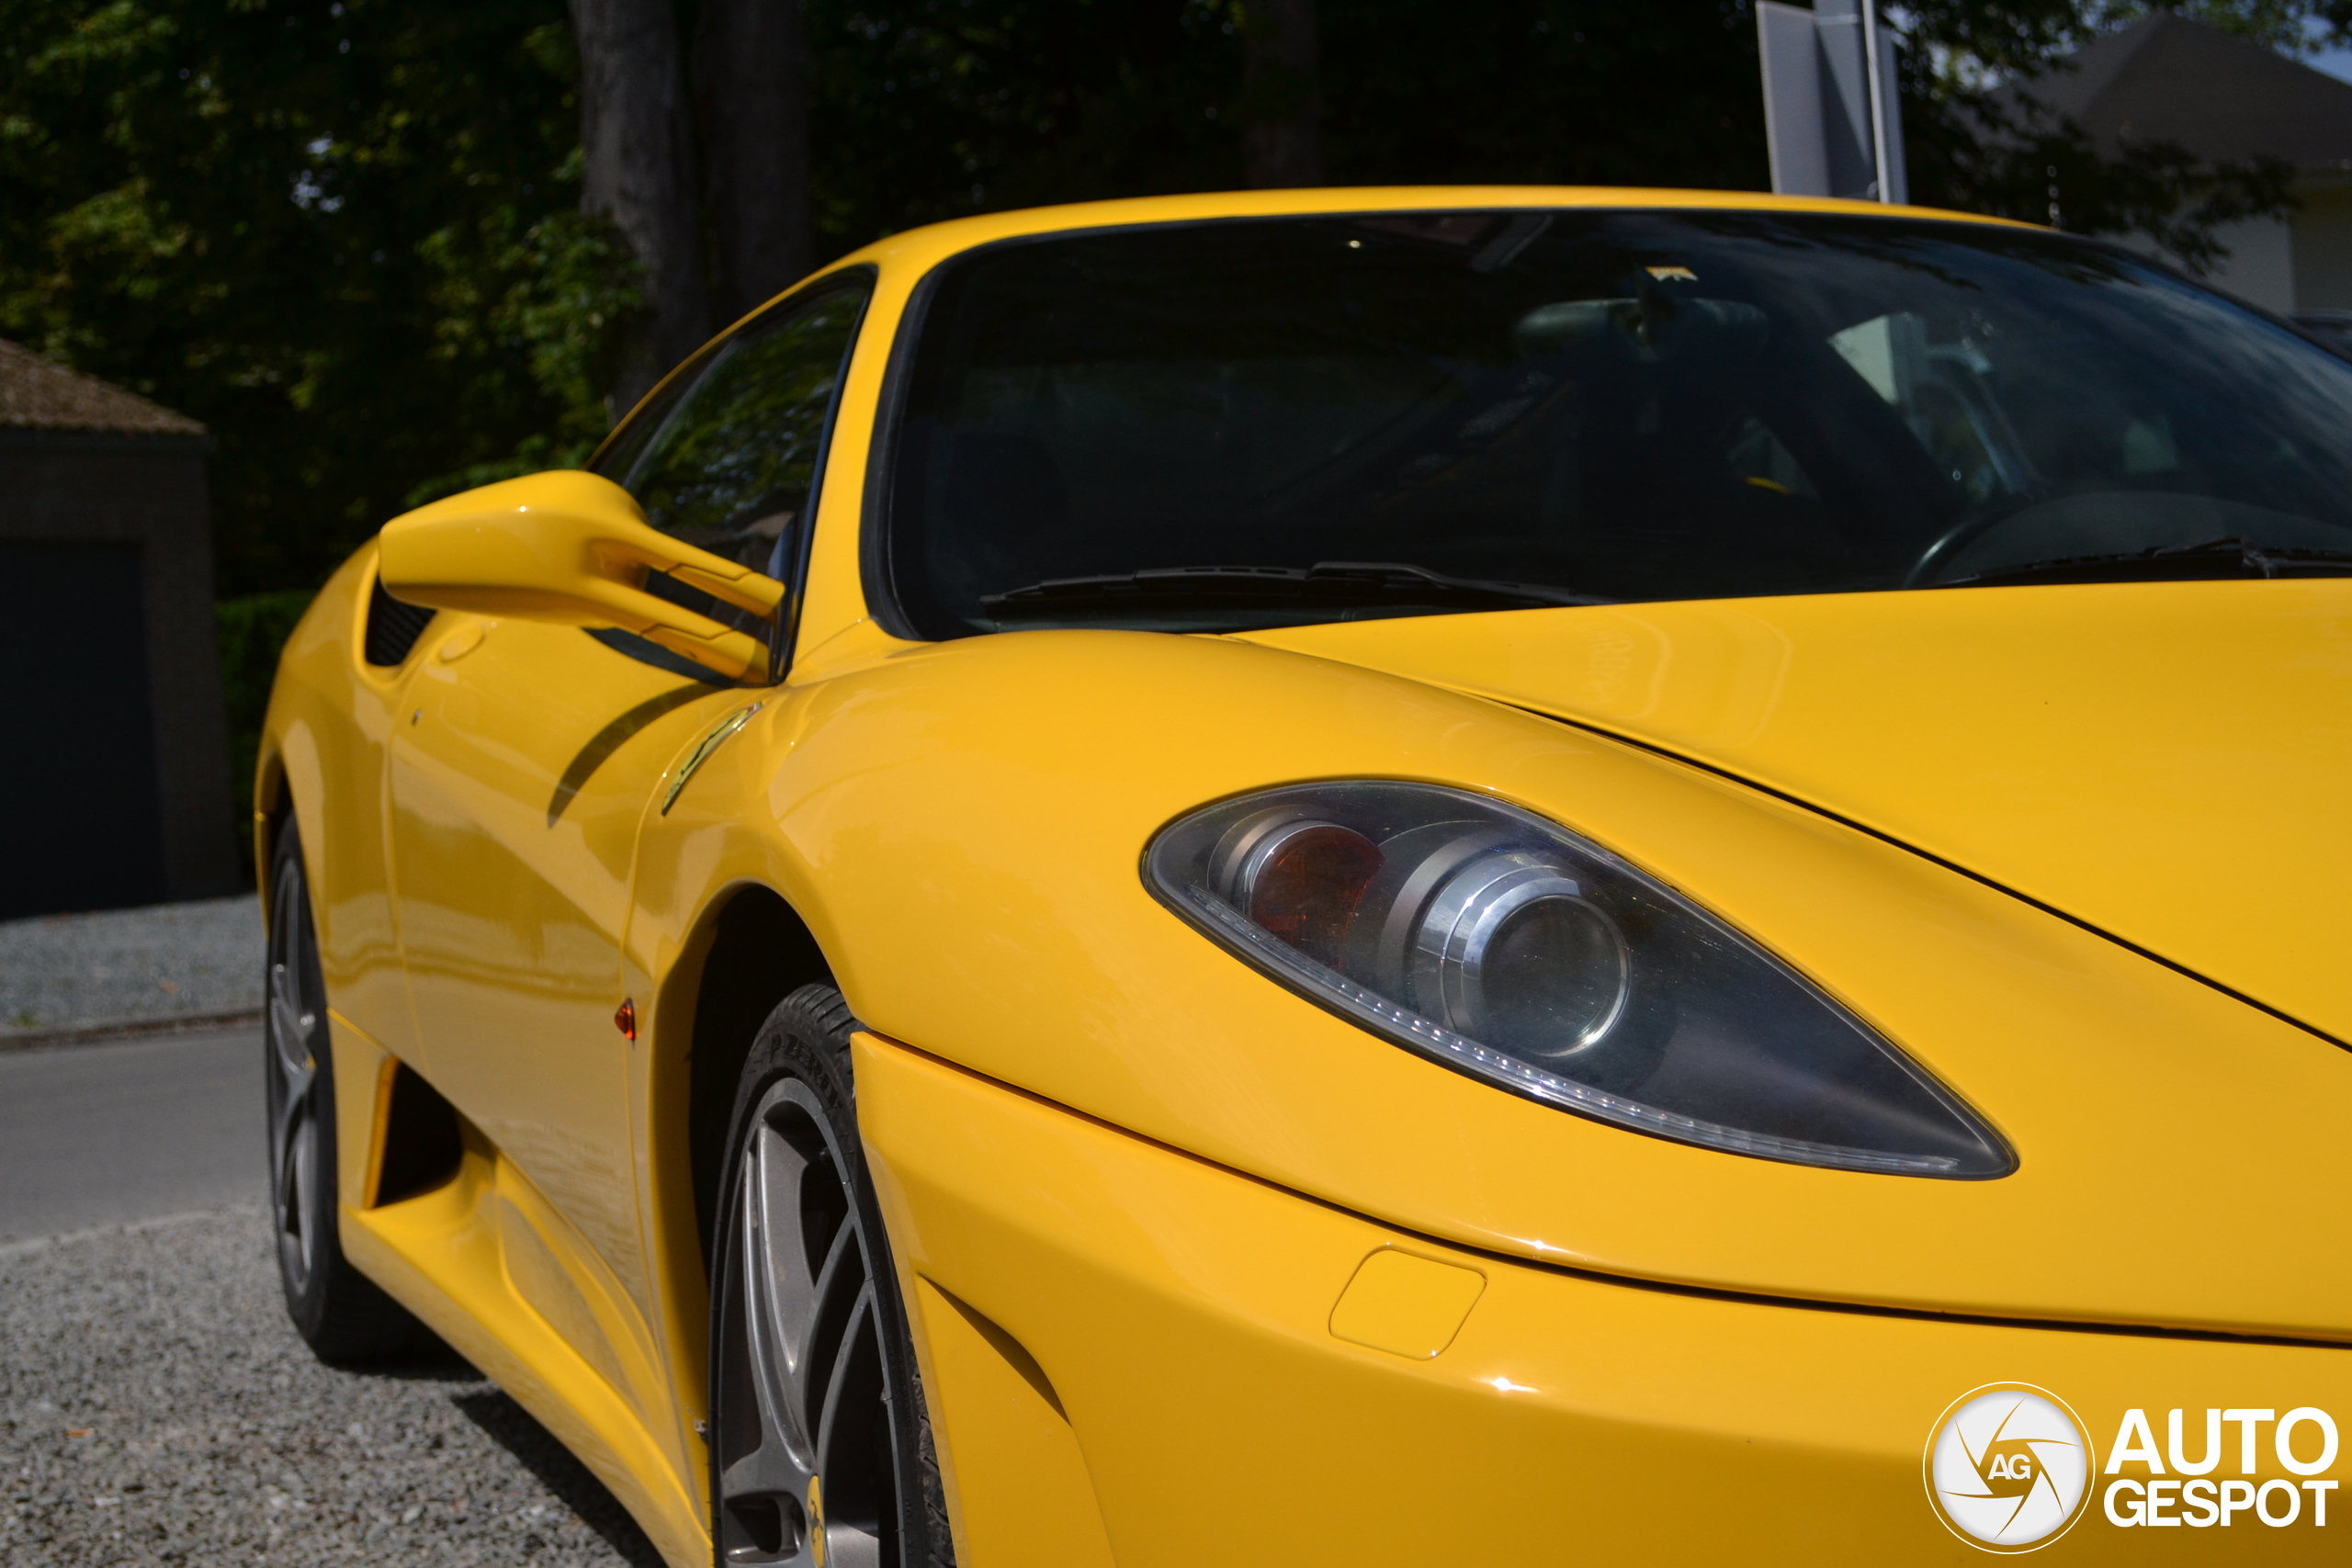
(625, 1016)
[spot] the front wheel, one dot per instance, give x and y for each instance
(820, 1449)
(341, 1314)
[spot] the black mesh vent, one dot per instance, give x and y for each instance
(393, 627)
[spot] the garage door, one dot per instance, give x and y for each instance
(79, 783)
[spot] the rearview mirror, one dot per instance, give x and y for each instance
(572, 548)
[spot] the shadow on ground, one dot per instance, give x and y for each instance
(430, 1359)
(509, 1426)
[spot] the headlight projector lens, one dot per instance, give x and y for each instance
(1510, 950)
(1504, 947)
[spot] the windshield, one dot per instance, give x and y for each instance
(1260, 422)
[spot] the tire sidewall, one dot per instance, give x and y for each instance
(308, 1305)
(807, 1038)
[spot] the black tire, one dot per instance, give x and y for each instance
(832, 1433)
(341, 1314)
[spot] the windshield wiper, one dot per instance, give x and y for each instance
(2212, 558)
(1338, 583)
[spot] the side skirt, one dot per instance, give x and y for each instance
(440, 1255)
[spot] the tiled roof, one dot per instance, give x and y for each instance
(41, 394)
(2166, 78)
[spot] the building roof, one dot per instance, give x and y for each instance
(2166, 78)
(37, 393)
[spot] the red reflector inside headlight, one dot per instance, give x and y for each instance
(1307, 886)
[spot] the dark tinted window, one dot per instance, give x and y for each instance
(732, 458)
(1612, 406)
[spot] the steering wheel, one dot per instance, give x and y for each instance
(1949, 543)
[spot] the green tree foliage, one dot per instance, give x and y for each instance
(252, 630)
(928, 110)
(2292, 26)
(345, 235)
(1555, 92)
(1978, 145)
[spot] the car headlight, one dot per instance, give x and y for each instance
(1506, 947)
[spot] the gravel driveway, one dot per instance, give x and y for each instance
(156, 1407)
(132, 964)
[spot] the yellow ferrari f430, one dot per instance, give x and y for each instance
(1472, 876)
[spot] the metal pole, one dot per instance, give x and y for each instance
(1878, 101)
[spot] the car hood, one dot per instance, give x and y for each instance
(2165, 763)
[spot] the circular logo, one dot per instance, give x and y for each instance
(2008, 1467)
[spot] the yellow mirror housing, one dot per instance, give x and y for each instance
(574, 549)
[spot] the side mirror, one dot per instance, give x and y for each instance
(572, 548)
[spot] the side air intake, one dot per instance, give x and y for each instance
(422, 1144)
(392, 628)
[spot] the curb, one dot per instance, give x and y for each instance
(30, 1245)
(92, 1031)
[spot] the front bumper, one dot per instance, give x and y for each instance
(1130, 1354)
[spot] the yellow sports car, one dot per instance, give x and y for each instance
(1469, 875)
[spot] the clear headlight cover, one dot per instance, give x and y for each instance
(1506, 947)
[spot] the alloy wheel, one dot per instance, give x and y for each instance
(804, 1468)
(294, 1022)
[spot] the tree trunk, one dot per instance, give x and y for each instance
(1282, 133)
(750, 85)
(638, 173)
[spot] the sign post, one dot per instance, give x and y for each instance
(1832, 122)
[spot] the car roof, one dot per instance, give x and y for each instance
(935, 241)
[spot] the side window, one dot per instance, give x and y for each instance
(619, 455)
(733, 464)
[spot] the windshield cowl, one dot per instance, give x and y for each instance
(1300, 592)
(2169, 563)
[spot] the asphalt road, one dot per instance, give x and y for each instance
(155, 1407)
(98, 1135)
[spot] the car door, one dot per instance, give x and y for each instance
(523, 760)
